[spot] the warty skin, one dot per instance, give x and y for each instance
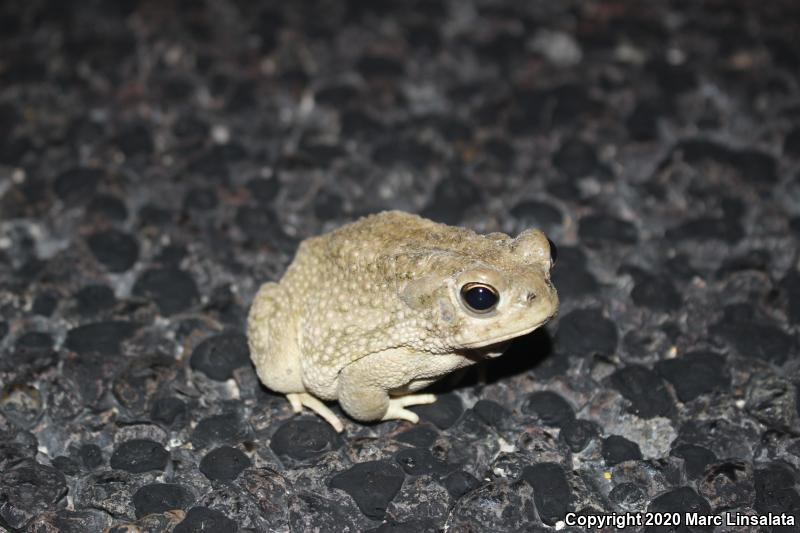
(380, 308)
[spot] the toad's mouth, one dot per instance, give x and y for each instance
(486, 352)
(488, 345)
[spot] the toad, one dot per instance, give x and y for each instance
(379, 309)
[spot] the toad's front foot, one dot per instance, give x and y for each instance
(301, 399)
(397, 407)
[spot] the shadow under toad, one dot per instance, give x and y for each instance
(530, 353)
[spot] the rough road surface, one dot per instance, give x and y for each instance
(161, 159)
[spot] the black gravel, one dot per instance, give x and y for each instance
(28, 488)
(91, 456)
(169, 411)
(224, 463)
(549, 408)
(696, 458)
(371, 484)
(443, 413)
(139, 455)
(617, 449)
(460, 483)
(302, 439)
(220, 355)
(679, 500)
(220, 429)
(695, 374)
(99, 337)
(159, 497)
(422, 435)
(159, 161)
(585, 332)
(552, 493)
(577, 434)
(173, 290)
(492, 413)
(644, 390)
(419, 461)
(117, 251)
(203, 519)
(94, 299)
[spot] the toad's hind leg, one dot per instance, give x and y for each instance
(272, 336)
(397, 407)
(370, 403)
(298, 400)
(364, 386)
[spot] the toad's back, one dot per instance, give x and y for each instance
(388, 235)
(343, 288)
(387, 247)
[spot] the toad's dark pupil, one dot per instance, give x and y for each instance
(553, 251)
(479, 297)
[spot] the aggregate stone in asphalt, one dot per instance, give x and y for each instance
(159, 161)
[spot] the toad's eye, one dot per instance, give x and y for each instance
(479, 297)
(553, 253)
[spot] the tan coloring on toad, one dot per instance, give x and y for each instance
(378, 309)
